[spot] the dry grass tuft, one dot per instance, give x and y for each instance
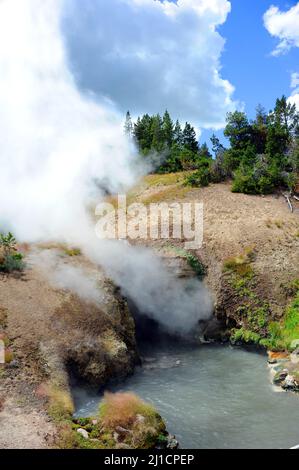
(241, 264)
(121, 409)
(60, 405)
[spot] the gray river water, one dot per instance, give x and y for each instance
(210, 396)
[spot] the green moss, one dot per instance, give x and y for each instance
(197, 266)
(245, 336)
(282, 334)
(68, 438)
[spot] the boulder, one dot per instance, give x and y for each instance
(290, 383)
(83, 433)
(280, 376)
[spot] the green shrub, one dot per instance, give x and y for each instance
(245, 336)
(10, 259)
(12, 262)
(196, 265)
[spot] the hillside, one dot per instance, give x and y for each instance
(52, 332)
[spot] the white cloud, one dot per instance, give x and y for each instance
(294, 80)
(285, 26)
(148, 55)
(294, 99)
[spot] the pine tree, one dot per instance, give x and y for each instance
(260, 130)
(178, 134)
(168, 130)
(217, 147)
(128, 127)
(157, 133)
(238, 130)
(204, 152)
(189, 138)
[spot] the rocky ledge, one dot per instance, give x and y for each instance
(285, 369)
(124, 421)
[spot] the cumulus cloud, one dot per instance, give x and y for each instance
(149, 55)
(294, 98)
(295, 80)
(284, 26)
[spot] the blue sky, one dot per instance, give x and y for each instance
(197, 58)
(247, 62)
(258, 76)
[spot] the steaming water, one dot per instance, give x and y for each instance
(214, 397)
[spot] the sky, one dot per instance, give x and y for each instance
(198, 58)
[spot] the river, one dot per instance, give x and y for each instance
(210, 396)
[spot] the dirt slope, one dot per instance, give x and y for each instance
(51, 331)
(233, 222)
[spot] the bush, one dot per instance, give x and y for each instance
(200, 178)
(10, 259)
(244, 182)
(12, 263)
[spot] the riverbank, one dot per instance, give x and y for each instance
(50, 333)
(250, 256)
(250, 259)
(210, 396)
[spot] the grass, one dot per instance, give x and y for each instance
(284, 333)
(164, 179)
(143, 425)
(252, 312)
(121, 409)
(72, 252)
(255, 315)
(279, 223)
(240, 264)
(60, 404)
(124, 420)
(172, 187)
(176, 192)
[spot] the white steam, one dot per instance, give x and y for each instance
(57, 147)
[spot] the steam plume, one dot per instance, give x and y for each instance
(58, 147)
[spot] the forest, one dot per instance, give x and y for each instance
(262, 155)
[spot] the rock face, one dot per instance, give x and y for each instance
(53, 332)
(285, 370)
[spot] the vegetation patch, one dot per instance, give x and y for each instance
(60, 403)
(251, 312)
(283, 335)
(254, 315)
(72, 252)
(193, 261)
(10, 259)
(123, 421)
(262, 156)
